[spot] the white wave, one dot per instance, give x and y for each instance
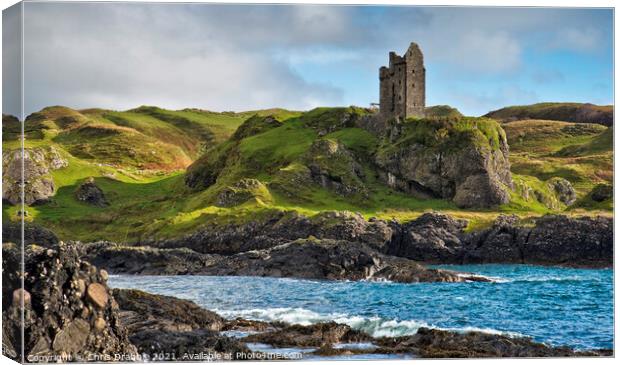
(374, 326)
(493, 279)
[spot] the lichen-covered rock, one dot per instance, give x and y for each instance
(37, 163)
(243, 191)
(563, 190)
(59, 319)
(333, 167)
(89, 192)
(465, 161)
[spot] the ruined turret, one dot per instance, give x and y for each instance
(402, 85)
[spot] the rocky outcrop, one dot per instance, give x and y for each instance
(315, 335)
(309, 259)
(327, 259)
(466, 162)
(37, 163)
(143, 259)
(282, 227)
(69, 312)
(433, 343)
(242, 191)
(88, 192)
(142, 310)
(333, 167)
(553, 240)
(179, 328)
(430, 238)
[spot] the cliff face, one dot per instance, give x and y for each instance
(465, 160)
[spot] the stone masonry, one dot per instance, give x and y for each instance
(403, 84)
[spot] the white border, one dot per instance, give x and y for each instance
(483, 3)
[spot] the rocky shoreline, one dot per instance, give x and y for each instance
(71, 314)
(345, 246)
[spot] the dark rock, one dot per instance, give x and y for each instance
(33, 233)
(602, 192)
(310, 258)
(315, 335)
(281, 227)
(163, 324)
(89, 192)
(143, 260)
(432, 237)
(433, 343)
(188, 345)
(58, 321)
(144, 310)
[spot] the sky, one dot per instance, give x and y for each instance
(245, 57)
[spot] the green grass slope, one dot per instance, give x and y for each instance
(567, 112)
(580, 153)
(244, 166)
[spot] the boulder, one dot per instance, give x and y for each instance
(38, 183)
(563, 190)
(88, 192)
(602, 192)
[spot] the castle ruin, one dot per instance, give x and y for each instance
(403, 85)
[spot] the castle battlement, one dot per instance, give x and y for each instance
(403, 85)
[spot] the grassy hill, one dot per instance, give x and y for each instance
(567, 112)
(244, 166)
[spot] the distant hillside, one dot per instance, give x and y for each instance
(567, 112)
(442, 111)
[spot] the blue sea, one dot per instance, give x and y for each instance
(557, 306)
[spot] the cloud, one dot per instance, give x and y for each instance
(584, 39)
(223, 57)
(145, 60)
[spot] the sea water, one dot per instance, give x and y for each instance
(557, 306)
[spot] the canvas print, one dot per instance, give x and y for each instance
(200, 182)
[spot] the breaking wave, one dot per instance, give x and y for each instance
(374, 326)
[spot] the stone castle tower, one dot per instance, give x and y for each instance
(403, 85)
